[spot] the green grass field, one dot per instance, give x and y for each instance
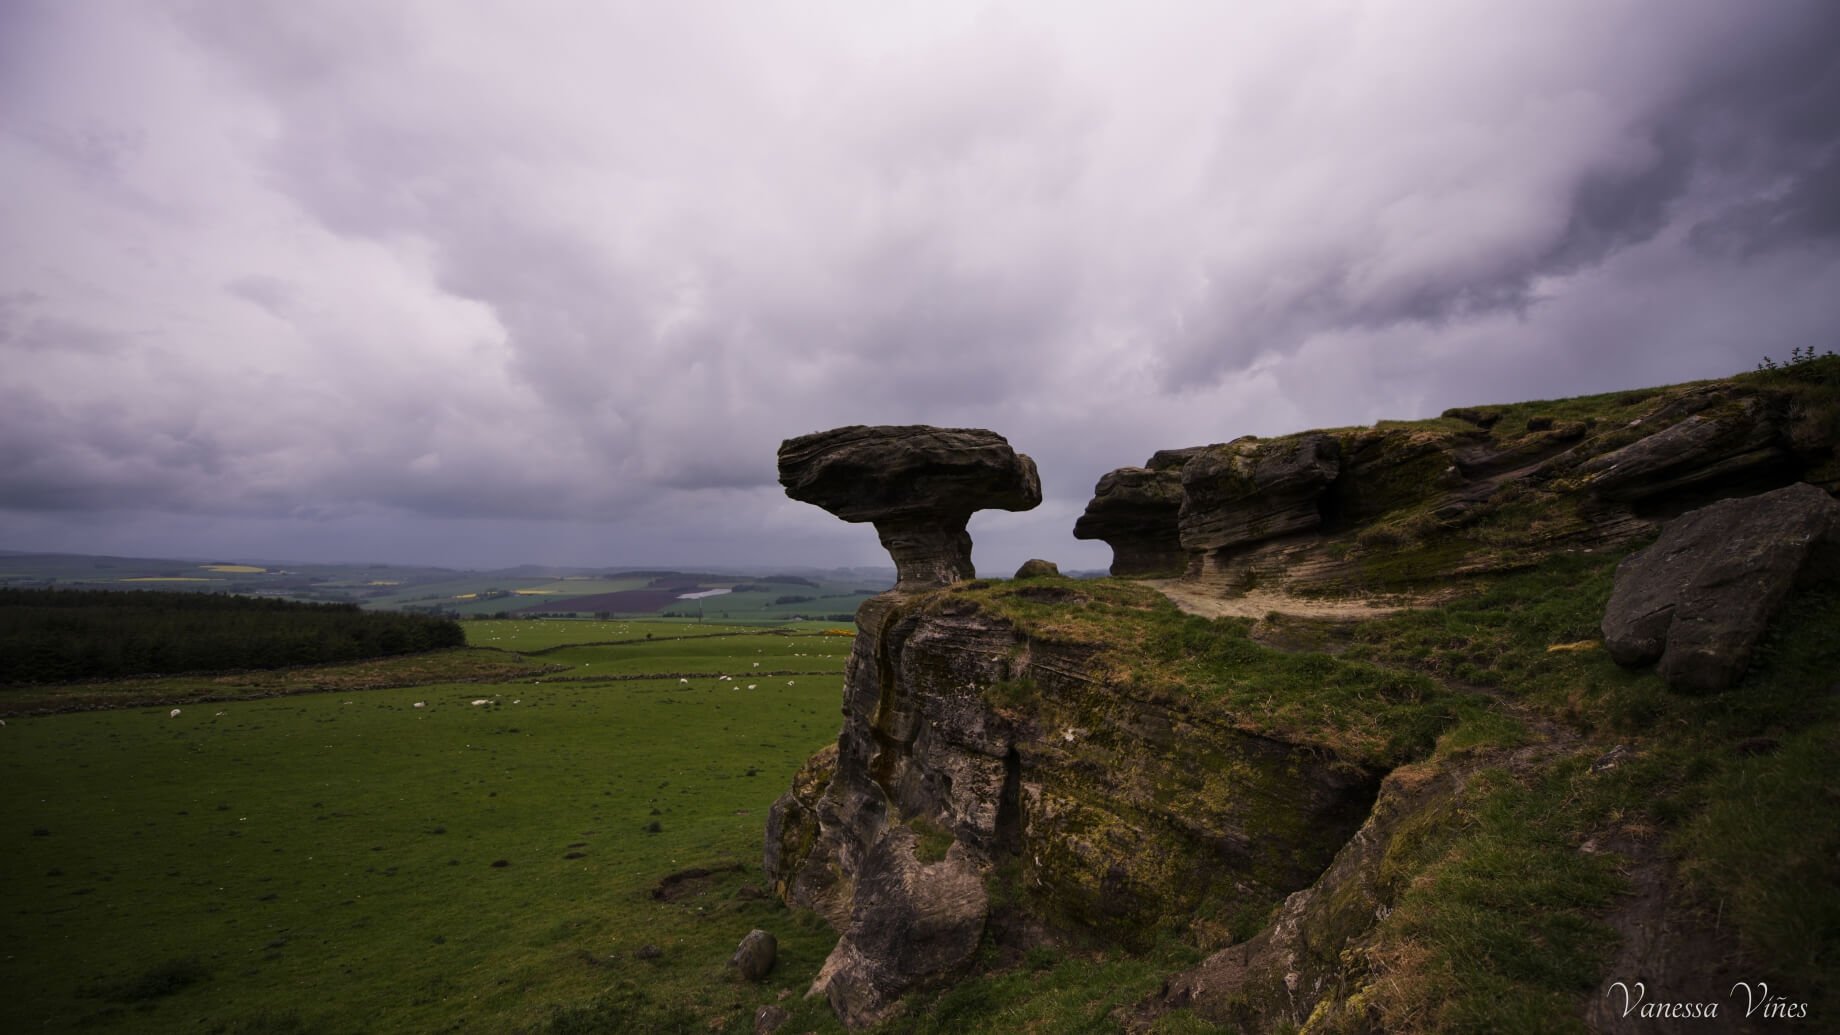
(346, 861)
(309, 851)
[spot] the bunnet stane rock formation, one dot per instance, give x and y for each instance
(1699, 600)
(918, 484)
(1057, 762)
(979, 757)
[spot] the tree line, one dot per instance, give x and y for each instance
(61, 635)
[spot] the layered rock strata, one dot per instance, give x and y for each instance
(919, 485)
(1251, 490)
(1480, 489)
(974, 757)
(1135, 511)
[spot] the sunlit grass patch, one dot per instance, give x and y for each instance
(168, 578)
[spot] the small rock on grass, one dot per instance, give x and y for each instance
(754, 957)
(769, 1019)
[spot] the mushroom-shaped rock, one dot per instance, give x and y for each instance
(918, 484)
(1135, 510)
(1254, 489)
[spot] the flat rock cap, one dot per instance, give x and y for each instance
(872, 473)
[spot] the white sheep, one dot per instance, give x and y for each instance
(480, 702)
(174, 715)
(421, 704)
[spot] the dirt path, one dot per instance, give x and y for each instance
(1259, 603)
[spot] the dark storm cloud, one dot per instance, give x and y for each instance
(504, 267)
(1735, 137)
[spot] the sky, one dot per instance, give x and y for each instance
(515, 281)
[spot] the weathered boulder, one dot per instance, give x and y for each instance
(754, 957)
(1700, 598)
(912, 921)
(1251, 490)
(917, 484)
(1135, 511)
(1035, 568)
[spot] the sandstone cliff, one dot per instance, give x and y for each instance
(1480, 489)
(1440, 819)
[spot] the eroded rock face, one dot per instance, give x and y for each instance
(1400, 504)
(1298, 969)
(911, 920)
(970, 750)
(1251, 489)
(918, 485)
(1135, 510)
(1699, 599)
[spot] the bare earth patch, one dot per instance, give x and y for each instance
(1259, 603)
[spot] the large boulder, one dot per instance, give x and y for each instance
(919, 485)
(1135, 510)
(1253, 489)
(1036, 568)
(1699, 599)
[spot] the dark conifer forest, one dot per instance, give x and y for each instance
(51, 636)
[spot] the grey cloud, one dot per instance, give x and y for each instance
(545, 266)
(1750, 121)
(54, 334)
(272, 294)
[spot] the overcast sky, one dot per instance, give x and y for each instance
(486, 283)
